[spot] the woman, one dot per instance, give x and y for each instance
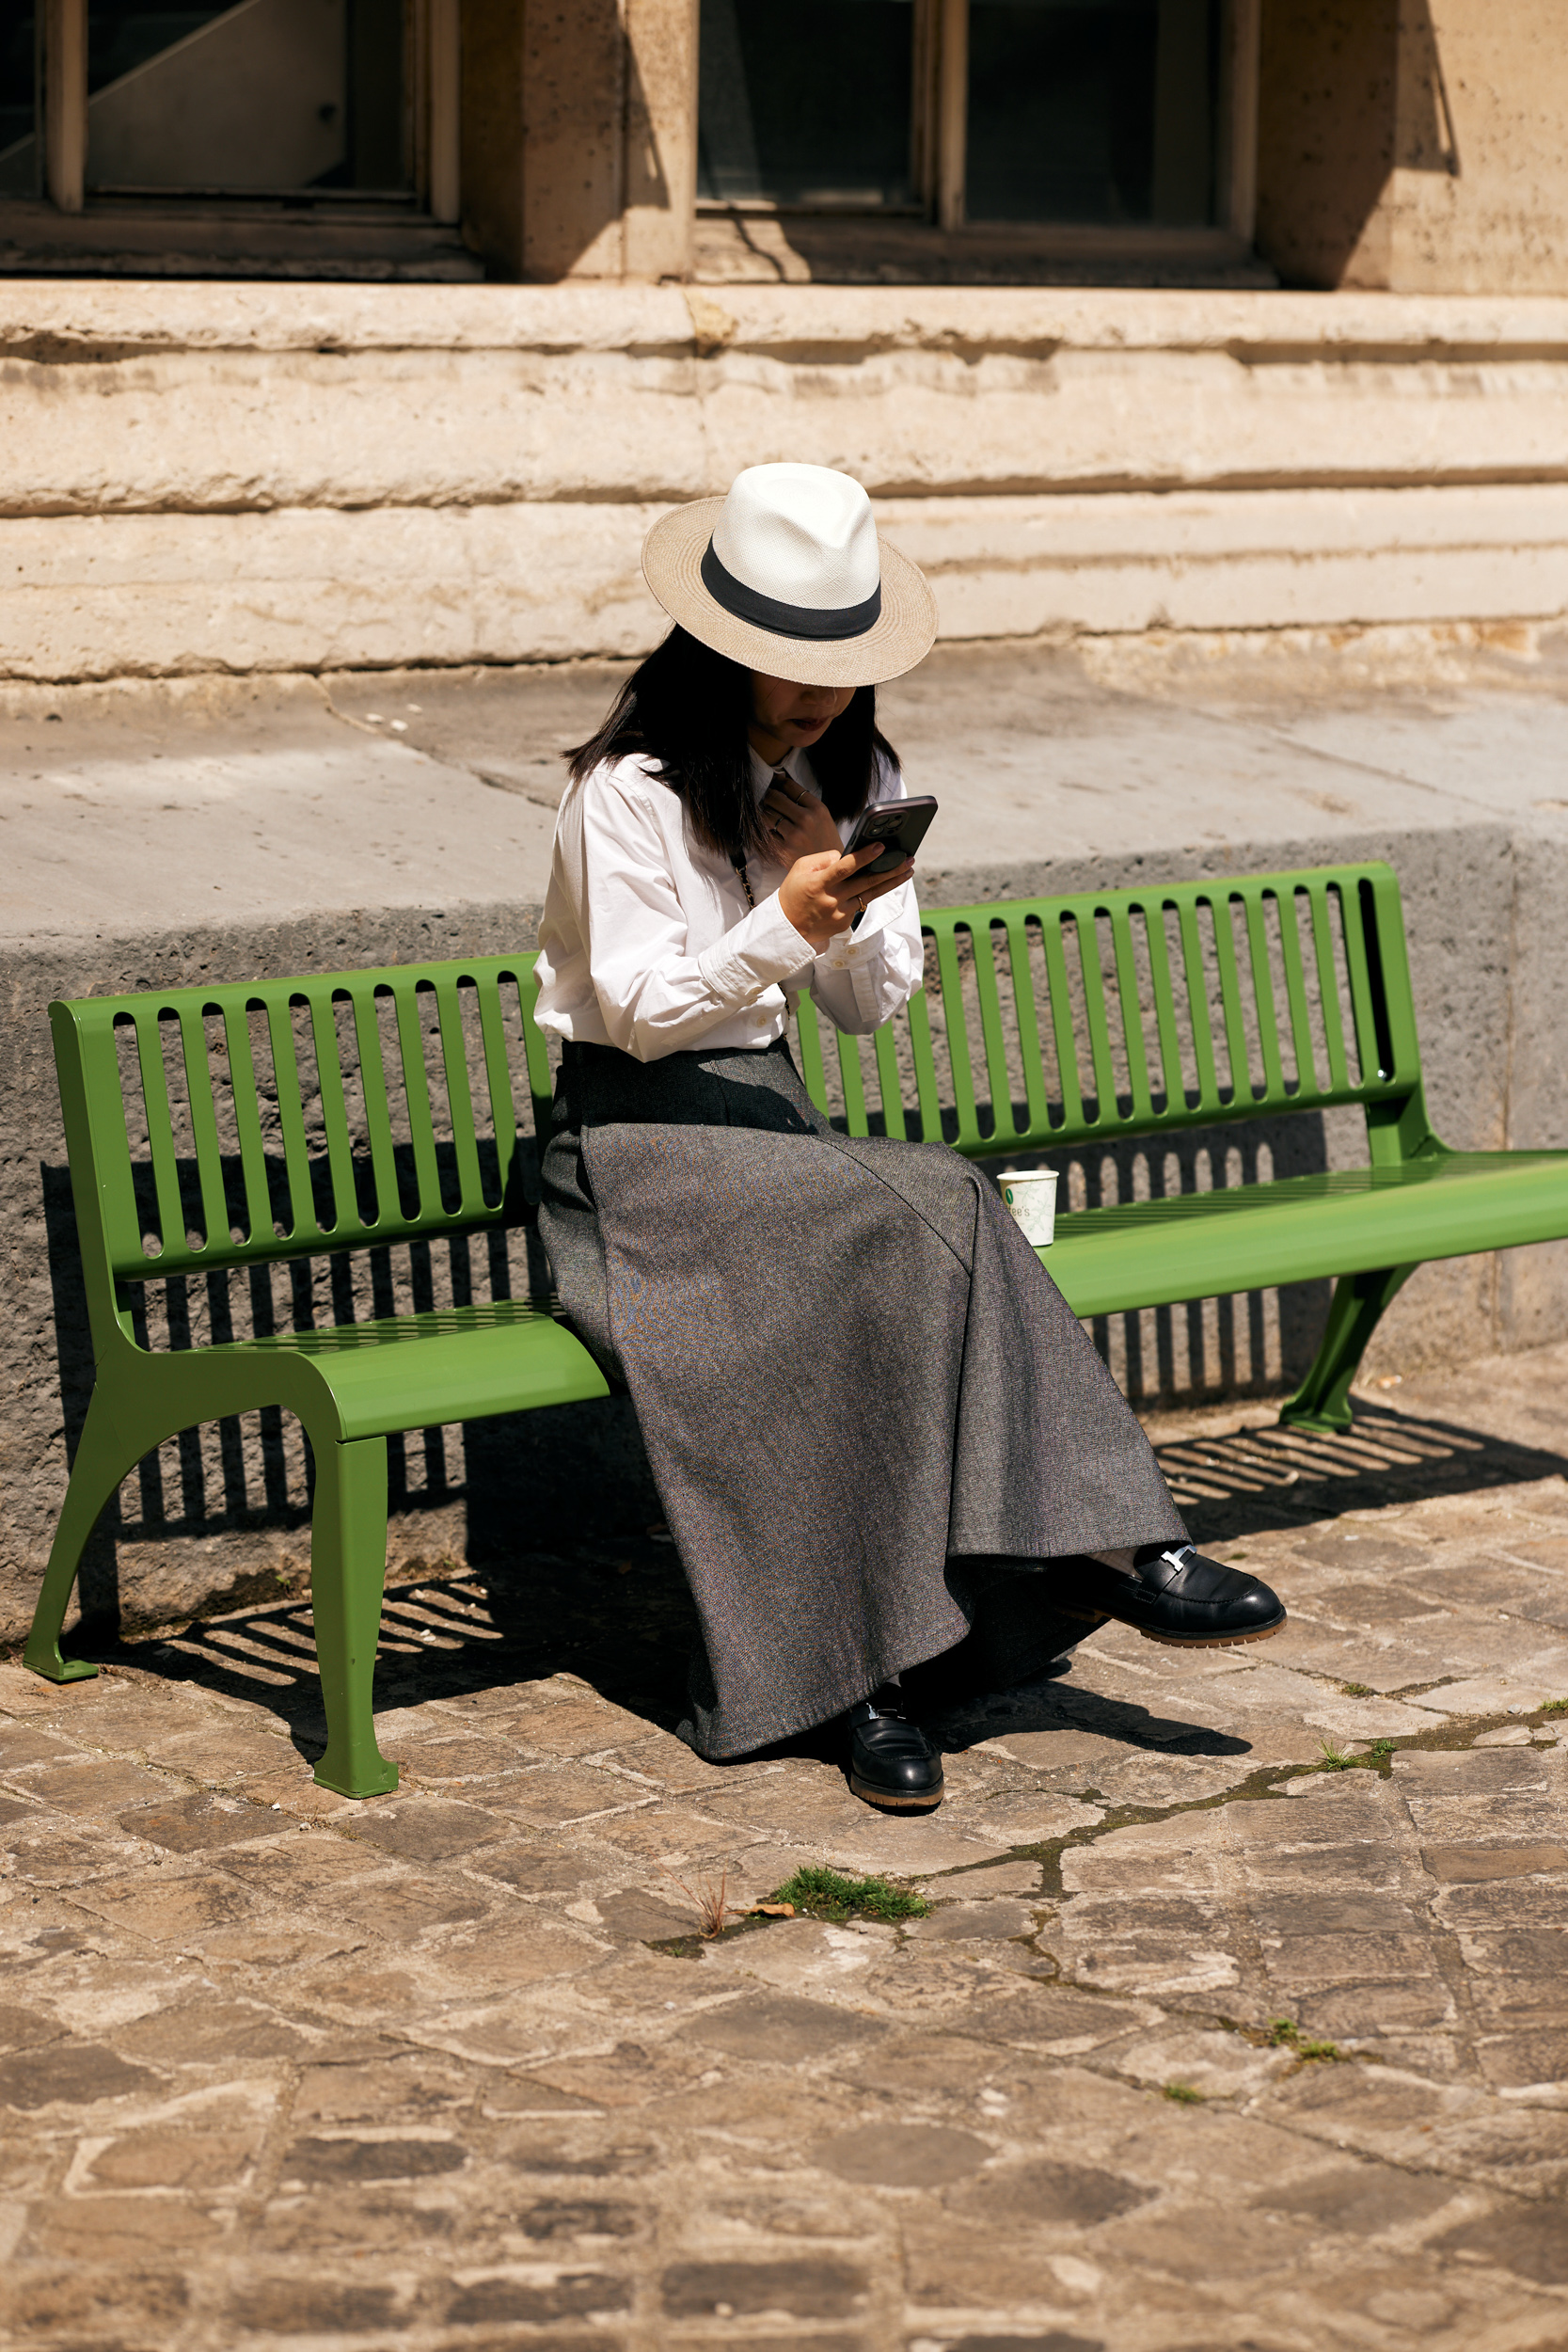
(878, 1431)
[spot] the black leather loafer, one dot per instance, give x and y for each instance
(1175, 1596)
(892, 1763)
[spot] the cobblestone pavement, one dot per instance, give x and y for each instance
(454, 2070)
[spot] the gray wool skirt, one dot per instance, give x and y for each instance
(873, 1420)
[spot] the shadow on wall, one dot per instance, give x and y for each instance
(1349, 92)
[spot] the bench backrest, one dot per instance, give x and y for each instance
(236, 1125)
(1054, 1023)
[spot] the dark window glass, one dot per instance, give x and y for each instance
(270, 95)
(1092, 110)
(18, 92)
(805, 102)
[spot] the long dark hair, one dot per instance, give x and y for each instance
(688, 707)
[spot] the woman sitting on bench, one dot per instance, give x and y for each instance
(881, 1438)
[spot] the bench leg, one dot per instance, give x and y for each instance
(101, 1461)
(348, 1569)
(1323, 1400)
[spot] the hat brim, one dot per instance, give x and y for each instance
(902, 634)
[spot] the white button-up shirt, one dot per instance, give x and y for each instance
(647, 942)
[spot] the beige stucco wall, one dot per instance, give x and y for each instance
(1479, 198)
(281, 477)
(1417, 146)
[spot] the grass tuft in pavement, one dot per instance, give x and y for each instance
(1184, 2093)
(826, 1894)
(1285, 2034)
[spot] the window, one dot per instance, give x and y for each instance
(20, 79)
(272, 95)
(806, 102)
(1111, 116)
(1091, 110)
(290, 136)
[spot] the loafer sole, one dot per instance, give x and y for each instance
(925, 1802)
(1213, 1641)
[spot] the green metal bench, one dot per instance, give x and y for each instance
(1232, 999)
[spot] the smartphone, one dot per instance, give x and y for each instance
(902, 825)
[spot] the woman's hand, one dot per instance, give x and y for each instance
(822, 893)
(797, 823)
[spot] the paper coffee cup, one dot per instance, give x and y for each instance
(1031, 1195)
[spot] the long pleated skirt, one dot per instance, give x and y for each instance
(877, 1429)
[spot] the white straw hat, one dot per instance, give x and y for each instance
(787, 576)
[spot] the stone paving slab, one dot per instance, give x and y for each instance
(1239, 2022)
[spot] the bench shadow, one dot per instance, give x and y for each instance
(1252, 1480)
(617, 1616)
(616, 1613)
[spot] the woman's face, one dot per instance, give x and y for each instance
(786, 717)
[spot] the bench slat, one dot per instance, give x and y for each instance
(1240, 1088)
(1129, 996)
(160, 1127)
(993, 1048)
(1061, 1024)
(406, 994)
(247, 1121)
(1208, 1104)
(1289, 903)
(377, 1107)
(199, 1094)
(348, 1223)
(1022, 980)
(1164, 1007)
(304, 1233)
(498, 1079)
(1256, 904)
(955, 1035)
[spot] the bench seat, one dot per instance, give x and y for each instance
(1304, 1229)
(400, 1371)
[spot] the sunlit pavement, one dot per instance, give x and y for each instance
(1240, 2019)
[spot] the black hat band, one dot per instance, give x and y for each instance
(787, 620)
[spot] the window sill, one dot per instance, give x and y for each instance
(790, 247)
(233, 237)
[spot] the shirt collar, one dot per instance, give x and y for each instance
(793, 763)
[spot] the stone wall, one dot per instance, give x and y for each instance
(1413, 145)
(320, 477)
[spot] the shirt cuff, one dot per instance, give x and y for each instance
(763, 951)
(853, 947)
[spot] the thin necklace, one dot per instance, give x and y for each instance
(737, 857)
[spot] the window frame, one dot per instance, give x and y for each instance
(433, 104)
(939, 144)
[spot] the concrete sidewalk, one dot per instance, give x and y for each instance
(131, 808)
(1238, 2021)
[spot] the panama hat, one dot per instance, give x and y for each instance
(786, 575)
